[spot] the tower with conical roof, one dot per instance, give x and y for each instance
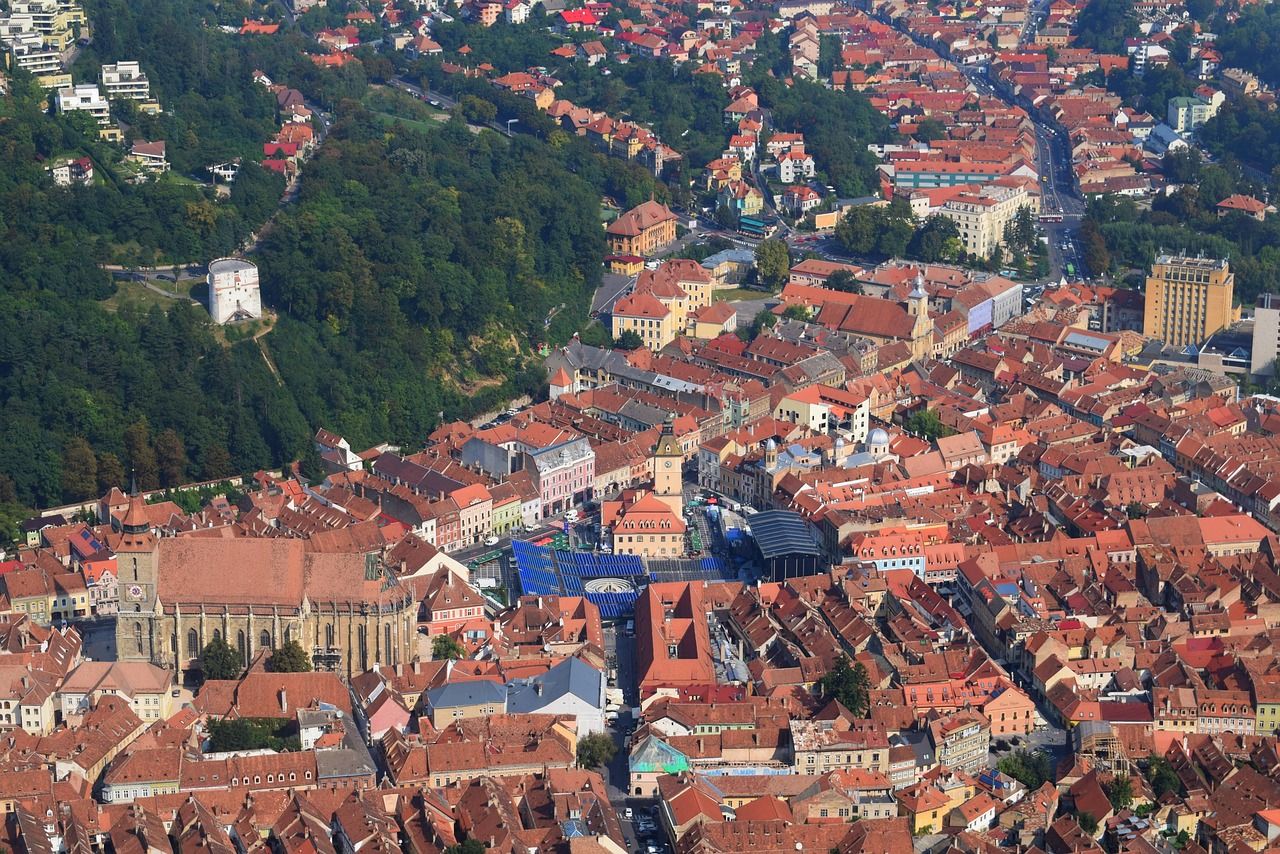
(668, 457)
(137, 575)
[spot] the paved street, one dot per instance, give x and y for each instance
(748, 308)
(621, 645)
(612, 288)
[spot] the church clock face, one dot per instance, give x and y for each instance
(668, 463)
(134, 592)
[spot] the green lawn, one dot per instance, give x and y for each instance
(736, 294)
(133, 292)
(388, 119)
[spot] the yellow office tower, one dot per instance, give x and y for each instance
(1189, 299)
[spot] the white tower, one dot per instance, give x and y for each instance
(233, 290)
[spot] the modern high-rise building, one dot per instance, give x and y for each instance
(1188, 299)
(1266, 335)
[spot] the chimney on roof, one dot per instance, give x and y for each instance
(284, 701)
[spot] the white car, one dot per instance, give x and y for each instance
(491, 541)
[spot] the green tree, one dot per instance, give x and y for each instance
(290, 658)
(938, 239)
(1182, 166)
(220, 661)
(470, 845)
(445, 647)
(797, 311)
(1105, 24)
(595, 750)
(171, 458)
(1020, 232)
(1096, 255)
(1088, 823)
(1161, 776)
(927, 425)
(110, 473)
(311, 464)
(141, 456)
(849, 684)
(477, 109)
(1033, 770)
(844, 281)
(233, 734)
(773, 263)
(764, 319)
(895, 238)
(1120, 792)
(930, 130)
(859, 230)
(79, 471)
(216, 463)
(1214, 185)
(628, 340)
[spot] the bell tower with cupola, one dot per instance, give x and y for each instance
(668, 457)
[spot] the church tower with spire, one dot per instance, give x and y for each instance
(137, 575)
(922, 329)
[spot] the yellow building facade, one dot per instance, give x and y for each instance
(1188, 299)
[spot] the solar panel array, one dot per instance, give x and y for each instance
(538, 576)
(706, 569)
(544, 571)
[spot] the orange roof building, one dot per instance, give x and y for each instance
(642, 230)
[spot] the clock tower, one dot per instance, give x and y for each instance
(137, 576)
(668, 482)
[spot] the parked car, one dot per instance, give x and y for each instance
(491, 541)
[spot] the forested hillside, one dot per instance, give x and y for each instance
(423, 255)
(412, 277)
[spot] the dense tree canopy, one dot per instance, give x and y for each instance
(446, 648)
(595, 750)
(849, 684)
(1032, 770)
(418, 272)
(1104, 25)
(290, 658)
(837, 127)
(1116, 233)
(220, 661)
(1251, 40)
